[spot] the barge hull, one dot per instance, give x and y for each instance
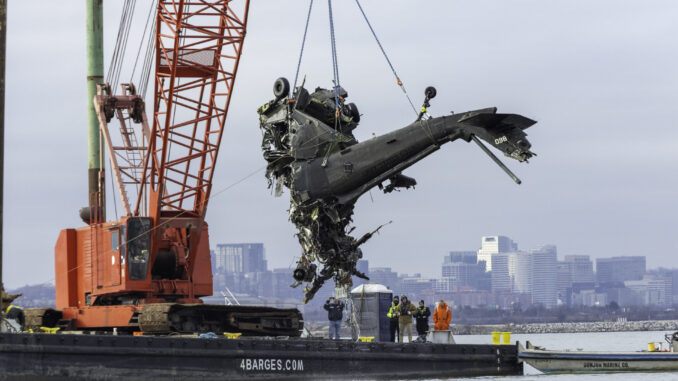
(105, 357)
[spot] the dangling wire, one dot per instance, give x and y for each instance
(398, 81)
(335, 65)
(301, 53)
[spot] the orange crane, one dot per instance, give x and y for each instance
(147, 270)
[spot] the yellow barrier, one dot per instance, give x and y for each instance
(506, 338)
(232, 335)
(495, 338)
(366, 339)
(651, 347)
(49, 330)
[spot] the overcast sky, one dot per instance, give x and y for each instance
(600, 77)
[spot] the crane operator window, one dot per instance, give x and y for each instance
(138, 247)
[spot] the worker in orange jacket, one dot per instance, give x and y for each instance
(442, 316)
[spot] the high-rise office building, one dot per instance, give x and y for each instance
(574, 271)
(672, 276)
(535, 273)
(620, 269)
(581, 268)
(413, 286)
(459, 274)
(501, 279)
(544, 275)
(386, 277)
(460, 269)
(470, 257)
(564, 282)
(653, 290)
(491, 245)
(493, 253)
(484, 281)
(520, 272)
(240, 258)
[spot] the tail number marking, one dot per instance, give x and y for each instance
(500, 140)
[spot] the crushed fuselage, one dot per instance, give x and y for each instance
(310, 149)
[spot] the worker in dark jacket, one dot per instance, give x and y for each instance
(406, 310)
(393, 317)
(334, 310)
(422, 315)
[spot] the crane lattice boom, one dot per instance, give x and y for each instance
(198, 47)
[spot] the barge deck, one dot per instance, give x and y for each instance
(105, 357)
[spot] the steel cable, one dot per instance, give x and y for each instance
(143, 38)
(116, 52)
(398, 81)
(301, 53)
(123, 48)
(335, 65)
(119, 51)
(148, 64)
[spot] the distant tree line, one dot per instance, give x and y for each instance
(560, 314)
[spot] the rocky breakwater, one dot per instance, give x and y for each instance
(599, 326)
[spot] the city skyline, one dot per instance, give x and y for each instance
(519, 276)
(435, 270)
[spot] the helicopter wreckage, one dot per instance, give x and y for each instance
(309, 145)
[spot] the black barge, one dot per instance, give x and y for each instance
(105, 357)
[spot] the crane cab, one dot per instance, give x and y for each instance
(105, 269)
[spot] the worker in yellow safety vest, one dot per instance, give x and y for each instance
(393, 314)
(17, 314)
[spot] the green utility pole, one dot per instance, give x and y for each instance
(3, 45)
(95, 74)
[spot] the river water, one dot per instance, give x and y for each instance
(596, 341)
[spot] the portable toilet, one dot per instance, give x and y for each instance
(371, 303)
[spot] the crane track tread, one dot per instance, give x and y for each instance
(248, 320)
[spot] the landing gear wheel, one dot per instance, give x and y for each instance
(430, 92)
(281, 87)
(352, 111)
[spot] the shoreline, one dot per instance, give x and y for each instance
(576, 327)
